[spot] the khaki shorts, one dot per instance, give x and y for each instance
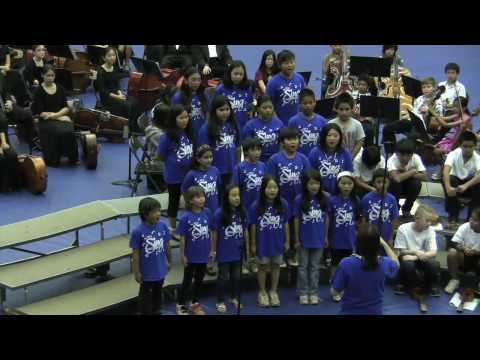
(274, 260)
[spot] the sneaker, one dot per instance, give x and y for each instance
(182, 310)
(314, 299)
(274, 300)
(263, 300)
(452, 286)
(336, 298)
(435, 292)
(292, 262)
(221, 308)
(253, 266)
(399, 290)
(304, 300)
(436, 177)
(283, 265)
(197, 309)
(235, 304)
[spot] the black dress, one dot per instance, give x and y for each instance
(9, 167)
(108, 82)
(56, 137)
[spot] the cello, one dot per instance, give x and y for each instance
(34, 173)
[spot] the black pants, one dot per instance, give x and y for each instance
(174, 193)
(195, 273)
(13, 84)
(369, 131)
(57, 139)
(218, 68)
(228, 271)
(24, 120)
(420, 274)
(176, 61)
(408, 189)
(452, 205)
(150, 297)
(9, 171)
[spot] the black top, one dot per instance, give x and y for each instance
(201, 55)
(44, 102)
(4, 51)
(33, 72)
(107, 82)
(157, 52)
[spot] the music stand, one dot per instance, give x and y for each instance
(306, 76)
(325, 108)
(60, 51)
(412, 86)
(373, 66)
(147, 67)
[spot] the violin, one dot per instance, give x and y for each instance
(34, 173)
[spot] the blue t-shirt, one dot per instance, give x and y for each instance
(285, 95)
(197, 115)
(330, 164)
(224, 150)
(177, 158)
(312, 224)
(363, 290)
(230, 238)
(249, 178)
(270, 232)
(289, 173)
(343, 214)
(209, 181)
(267, 131)
(370, 206)
(309, 131)
(153, 244)
(240, 99)
(196, 230)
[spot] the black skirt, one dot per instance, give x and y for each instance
(57, 139)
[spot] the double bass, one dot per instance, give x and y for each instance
(341, 82)
(34, 173)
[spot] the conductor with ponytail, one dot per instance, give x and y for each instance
(361, 277)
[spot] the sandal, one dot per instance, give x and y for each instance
(221, 308)
(263, 300)
(235, 303)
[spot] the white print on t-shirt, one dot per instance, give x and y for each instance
(210, 187)
(184, 151)
(237, 104)
(270, 221)
(253, 181)
(226, 140)
(151, 244)
(233, 230)
(289, 176)
(266, 138)
(309, 137)
(289, 94)
(314, 216)
(198, 230)
(196, 112)
(326, 168)
(344, 217)
(375, 212)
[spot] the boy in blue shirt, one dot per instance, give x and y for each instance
(285, 87)
(288, 166)
(307, 122)
(372, 203)
(152, 256)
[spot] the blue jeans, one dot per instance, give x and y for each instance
(308, 271)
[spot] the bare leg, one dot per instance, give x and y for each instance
(275, 277)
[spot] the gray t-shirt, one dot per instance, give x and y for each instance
(352, 132)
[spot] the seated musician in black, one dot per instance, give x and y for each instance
(33, 68)
(9, 169)
(212, 60)
(55, 126)
(11, 80)
(111, 97)
(170, 56)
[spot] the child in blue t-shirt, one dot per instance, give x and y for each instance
(238, 89)
(307, 122)
(285, 87)
(194, 230)
(374, 201)
(310, 224)
(343, 213)
(266, 127)
(229, 238)
(330, 158)
(269, 237)
(288, 166)
(175, 149)
(222, 134)
(151, 257)
(205, 175)
(192, 95)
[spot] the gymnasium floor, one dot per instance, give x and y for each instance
(68, 187)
